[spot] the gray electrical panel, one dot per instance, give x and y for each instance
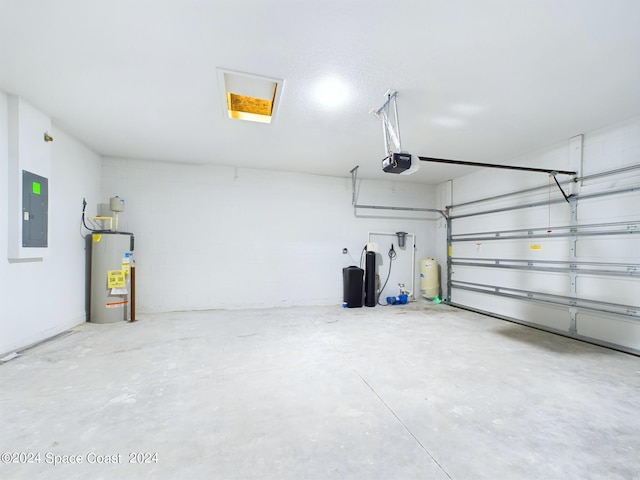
(35, 209)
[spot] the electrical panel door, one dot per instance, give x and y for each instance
(35, 209)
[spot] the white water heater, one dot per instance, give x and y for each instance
(429, 278)
(110, 276)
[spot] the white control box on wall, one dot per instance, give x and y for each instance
(28, 180)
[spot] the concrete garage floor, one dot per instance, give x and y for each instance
(416, 392)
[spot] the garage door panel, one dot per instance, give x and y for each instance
(527, 249)
(549, 316)
(618, 249)
(514, 220)
(604, 209)
(614, 330)
(550, 283)
(623, 291)
(621, 181)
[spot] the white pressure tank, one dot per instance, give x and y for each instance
(429, 278)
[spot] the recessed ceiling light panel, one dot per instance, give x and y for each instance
(249, 97)
(331, 92)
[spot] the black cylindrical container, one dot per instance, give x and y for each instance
(353, 283)
(370, 280)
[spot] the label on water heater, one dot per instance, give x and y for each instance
(126, 263)
(116, 304)
(116, 279)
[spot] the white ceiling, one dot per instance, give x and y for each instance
(478, 80)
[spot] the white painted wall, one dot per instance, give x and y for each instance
(42, 298)
(219, 237)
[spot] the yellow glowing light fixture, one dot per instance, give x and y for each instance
(253, 109)
(250, 97)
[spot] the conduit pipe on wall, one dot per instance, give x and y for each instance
(354, 175)
(403, 209)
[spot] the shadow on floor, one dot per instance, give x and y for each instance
(550, 341)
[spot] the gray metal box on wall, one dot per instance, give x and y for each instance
(35, 210)
(110, 283)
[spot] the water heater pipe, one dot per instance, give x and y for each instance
(132, 302)
(101, 217)
(413, 257)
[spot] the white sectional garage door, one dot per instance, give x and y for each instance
(568, 267)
